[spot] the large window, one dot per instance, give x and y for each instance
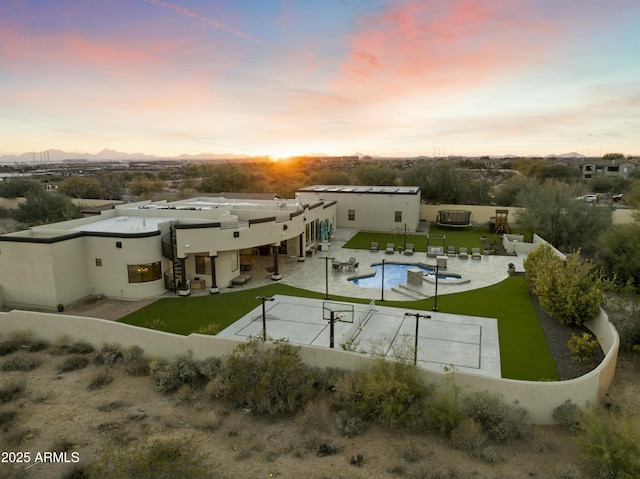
(142, 273)
(203, 265)
(352, 215)
(398, 216)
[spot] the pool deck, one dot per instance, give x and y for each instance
(311, 273)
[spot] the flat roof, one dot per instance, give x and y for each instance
(361, 189)
(123, 224)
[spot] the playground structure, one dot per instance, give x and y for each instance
(498, 223)
(454, 218)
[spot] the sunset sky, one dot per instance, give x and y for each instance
(378, 77)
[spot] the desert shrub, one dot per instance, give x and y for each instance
(21, 362)
(611, 444)
(211, 329)
(109, 354)
(583, 348)
(445, 407)
(80, 347)
(624, 312)
(268, 379)
(569, 415)
(135, 364)
(468, 435)
(178, 372)
(21, 341)
(99, 381)
(350, 425)
(113, 406)
(153, 460)
(6, 418)
(388, 392)
(73, 363)
(500, 421)
(209, 367)
(11, 390)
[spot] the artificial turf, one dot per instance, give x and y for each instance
(524, 351)
(466, 237)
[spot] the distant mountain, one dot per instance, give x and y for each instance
(573, 154)
(56, 156)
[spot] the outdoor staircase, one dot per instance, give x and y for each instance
(169, 251)
(410, 292)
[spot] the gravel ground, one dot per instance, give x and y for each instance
(558, 336)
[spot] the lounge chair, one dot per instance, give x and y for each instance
(390, 249)
(409, 249)
(451, 250)
(475, 253)
(462, 253)
(374, 246)
(434, 251)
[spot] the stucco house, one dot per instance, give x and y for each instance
(371, 208)
(141, 250)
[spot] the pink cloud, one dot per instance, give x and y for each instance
(422, 44)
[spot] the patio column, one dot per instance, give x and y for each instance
(301, 251)
(214, 284)
(276, 273)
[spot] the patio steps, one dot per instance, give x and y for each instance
(411, 293)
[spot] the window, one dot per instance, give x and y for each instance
(235, 261)
(118, 244)
(98, 261)
(142, 273)
(398, 217)
(203, 265)
(352, 215)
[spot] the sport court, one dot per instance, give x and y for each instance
(467, 343)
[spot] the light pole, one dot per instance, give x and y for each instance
(326, 276)
(435, 301)
(264, 316)
(382, 297)
(415, 347)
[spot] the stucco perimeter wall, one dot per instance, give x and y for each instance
(538, 398)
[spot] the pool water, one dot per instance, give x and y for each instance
(394, 275)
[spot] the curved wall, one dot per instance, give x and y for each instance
(539, 398)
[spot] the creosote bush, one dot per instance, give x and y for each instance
(611, 444)
(21, 341)
(389, 392)
(135, 364)
(266, 378)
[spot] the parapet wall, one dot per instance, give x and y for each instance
(539, 398)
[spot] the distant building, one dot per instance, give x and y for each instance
(372, 208)
(621, 168)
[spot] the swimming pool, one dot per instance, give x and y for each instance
(395, 275)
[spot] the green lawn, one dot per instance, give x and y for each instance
(523, 348)
(466, 237)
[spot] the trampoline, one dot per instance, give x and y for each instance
(454, 218)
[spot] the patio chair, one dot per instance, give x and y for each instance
(451, 250)
(353, 264)
(374, 246)
(409, 249)
(390, 249)
(462, 253)
(336, 265)
(475, 253)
